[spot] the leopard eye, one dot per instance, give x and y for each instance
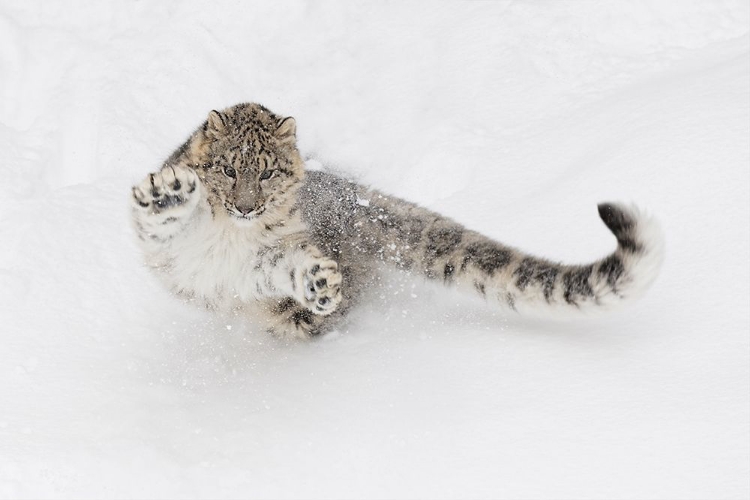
(230, 172)
(266, 175)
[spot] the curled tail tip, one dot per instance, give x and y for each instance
(618, 217)
(632, 226)
(640, 243)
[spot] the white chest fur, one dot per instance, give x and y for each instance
(214, 262)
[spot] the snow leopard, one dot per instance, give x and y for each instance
(233, 221)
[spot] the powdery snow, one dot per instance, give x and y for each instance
(515, 118)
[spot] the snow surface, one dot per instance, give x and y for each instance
(514, 118)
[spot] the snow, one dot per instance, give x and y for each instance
(515, 118)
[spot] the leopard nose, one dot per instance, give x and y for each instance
(244, 209)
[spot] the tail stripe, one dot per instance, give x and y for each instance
(576, 284)
(612, 268)
(532, 271)
(487, 256)
(441, 241)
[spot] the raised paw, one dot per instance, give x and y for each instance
(169, 188)
(321, 286)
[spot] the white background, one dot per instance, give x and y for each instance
(514, 118)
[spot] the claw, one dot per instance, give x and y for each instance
(163, 189)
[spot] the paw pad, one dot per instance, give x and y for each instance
(322, 287)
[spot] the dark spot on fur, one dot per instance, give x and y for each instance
(611, 269)
(321, 283)
(403, 229)
(448, 271)
(302, 316)
(547, 278)
(532, 271)
(315, 269)
(292, 277)
(576, 284)
(480, 288)
(487, 256)
(525, 273)
(629, 244)
(284, 305)
(276, 258)
(511, 300)
(442, 240)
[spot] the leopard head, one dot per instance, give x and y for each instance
(247, 158)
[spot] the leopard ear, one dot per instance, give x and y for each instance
(216, 123)
(287, 129)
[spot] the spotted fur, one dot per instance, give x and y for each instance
(233, 221)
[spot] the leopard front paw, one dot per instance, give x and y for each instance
(321, 287)
(167, 190)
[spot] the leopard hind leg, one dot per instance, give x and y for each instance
(286, 318)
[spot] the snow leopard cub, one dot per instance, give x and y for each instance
(233, 222)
